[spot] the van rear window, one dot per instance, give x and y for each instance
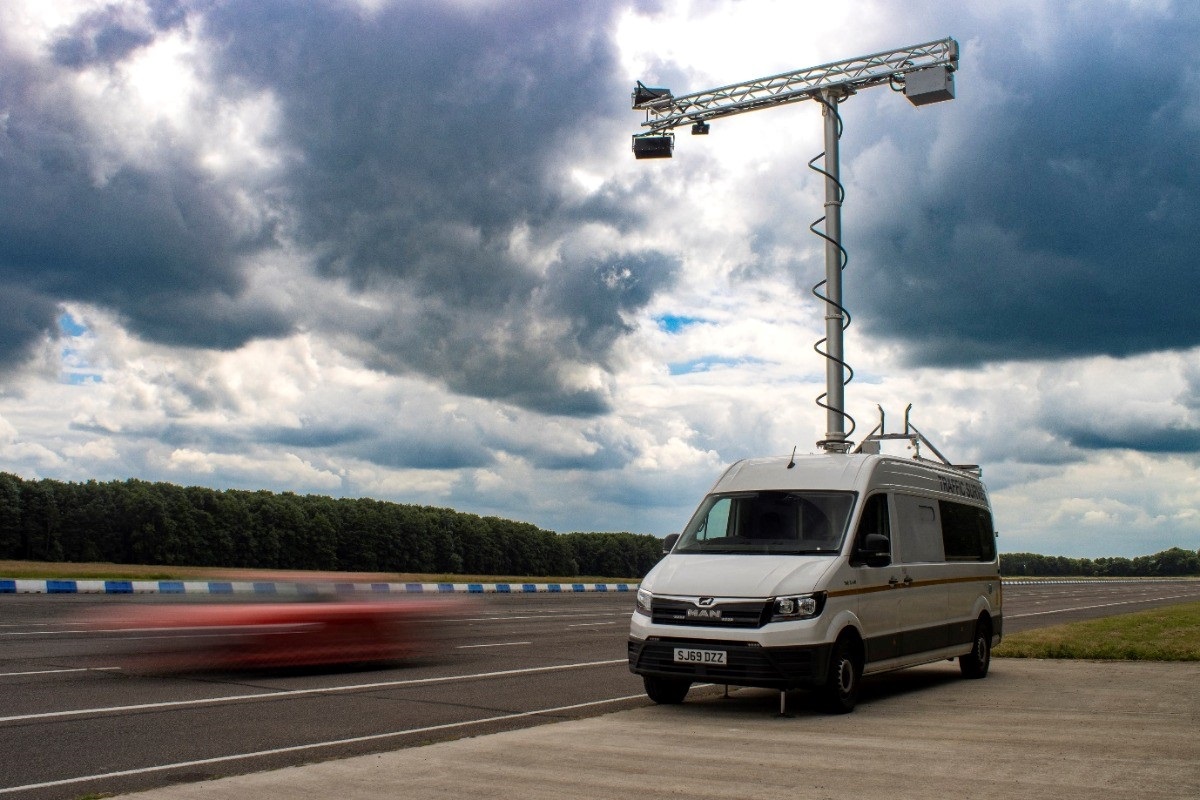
(967, 532)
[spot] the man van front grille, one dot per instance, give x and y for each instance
(753, 614)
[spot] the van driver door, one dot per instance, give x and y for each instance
(878, 602)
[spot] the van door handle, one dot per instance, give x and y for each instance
(908, 580)
(892, 581)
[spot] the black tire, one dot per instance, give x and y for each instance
(839, 693)
(666, 691)
(975, 664)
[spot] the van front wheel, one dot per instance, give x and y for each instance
(975, 663)
(839, 694)
(666, 691)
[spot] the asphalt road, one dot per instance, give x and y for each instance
(70, 727)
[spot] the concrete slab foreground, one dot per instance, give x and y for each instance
(1050, 729)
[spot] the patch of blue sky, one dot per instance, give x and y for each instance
(707, 364)
(75, 369)
(81, 378)
(71, 326)
(871, 378)
(674, 323)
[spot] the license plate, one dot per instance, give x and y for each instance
(686, 655)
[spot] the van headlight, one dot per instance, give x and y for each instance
(644, 598)
(804, 606)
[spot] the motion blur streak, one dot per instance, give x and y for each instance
(257, 635)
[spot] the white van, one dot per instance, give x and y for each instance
(817, 570)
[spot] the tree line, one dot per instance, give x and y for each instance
(139, 522)
(1175, 562)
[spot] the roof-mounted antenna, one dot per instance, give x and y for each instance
(871, 443)
(792, 463)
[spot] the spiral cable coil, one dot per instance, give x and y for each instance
(843, 259)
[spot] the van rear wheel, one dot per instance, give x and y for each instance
(975, 663)
(839, 693)
(666, 691)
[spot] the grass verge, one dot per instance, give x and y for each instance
(42, 570)
(1170, 633)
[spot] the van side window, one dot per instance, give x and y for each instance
(874, 518)
(918, 533)
(967, 532)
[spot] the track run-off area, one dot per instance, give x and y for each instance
(72, 725)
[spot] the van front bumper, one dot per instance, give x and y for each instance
(746, 664)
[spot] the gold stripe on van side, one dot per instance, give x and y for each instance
(887, 587)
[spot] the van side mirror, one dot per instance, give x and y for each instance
(669, 542)
(875, 550)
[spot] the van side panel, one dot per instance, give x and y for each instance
(944, 559)
(920, 566)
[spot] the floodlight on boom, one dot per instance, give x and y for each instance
(658, 146)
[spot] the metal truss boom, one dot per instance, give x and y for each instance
(665, 112)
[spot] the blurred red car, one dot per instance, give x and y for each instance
(251, 635)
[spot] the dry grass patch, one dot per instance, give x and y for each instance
(1170, 633)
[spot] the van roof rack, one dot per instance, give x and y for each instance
(870, 443)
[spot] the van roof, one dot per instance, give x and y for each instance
(825, 471)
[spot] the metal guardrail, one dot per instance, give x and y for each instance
(1066, 581)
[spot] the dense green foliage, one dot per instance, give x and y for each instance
(137, 522)
(1169, 563)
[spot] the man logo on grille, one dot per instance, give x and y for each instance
(704, 602)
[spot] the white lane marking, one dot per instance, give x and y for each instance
(300, 692)
(1101, 605)
(55, 671)
(315, 745)
(589, 624)
(545, 617)
(497, 644)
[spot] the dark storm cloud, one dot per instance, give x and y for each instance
(1066, 222)
(24, 318)
(158, 244)
(1147, 440)
(109, 34)
(417, 448)
(419, 138)
(428, 135)
(426, 452)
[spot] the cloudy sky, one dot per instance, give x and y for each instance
(401, 250)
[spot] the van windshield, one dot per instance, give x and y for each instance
(777, 522)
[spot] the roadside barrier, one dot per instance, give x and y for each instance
(1067, 581)
(286, 589)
